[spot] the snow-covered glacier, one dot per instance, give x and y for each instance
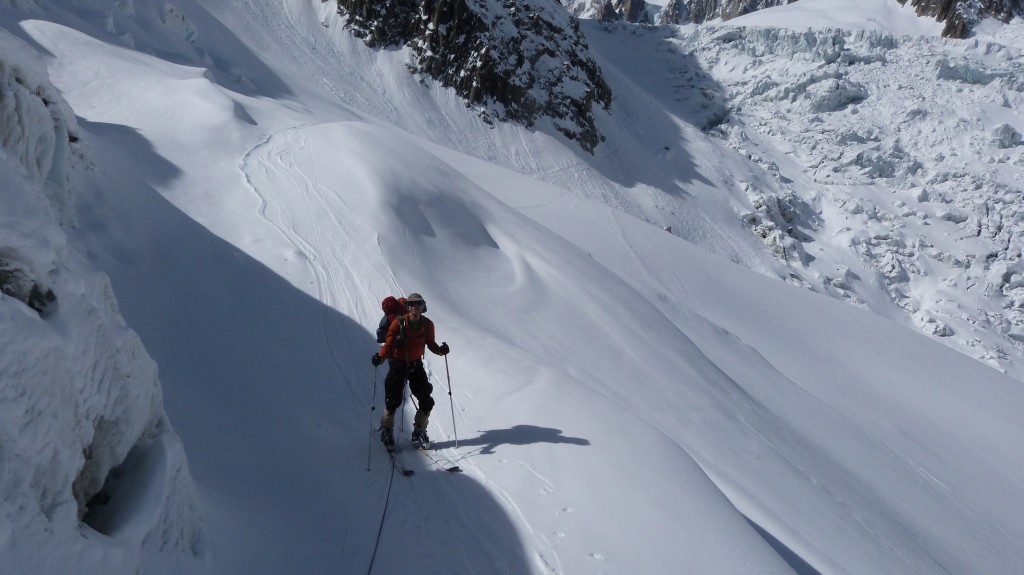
(893, 169)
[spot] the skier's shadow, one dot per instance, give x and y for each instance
(517, 435)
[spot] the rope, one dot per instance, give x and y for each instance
(380, 529)
(373, 407)
(401, 417)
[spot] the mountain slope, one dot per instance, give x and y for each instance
(625, 399)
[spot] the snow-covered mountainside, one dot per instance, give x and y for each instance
(253, 179)
(959, 17)
(83, 434)
(888, 163)
(896, 169)
(831, 96)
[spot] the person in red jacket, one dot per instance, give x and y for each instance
(403, 348)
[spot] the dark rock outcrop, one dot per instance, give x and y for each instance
(514, 60)
(634, 11)
(607, 12)
(699, 11)
(675, 12)
(17, 284)
(960, 16)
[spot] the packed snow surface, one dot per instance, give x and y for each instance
(620, 398)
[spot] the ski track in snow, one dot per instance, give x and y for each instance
(275, 159)
(347, 284)
(544, 553)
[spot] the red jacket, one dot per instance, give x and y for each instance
(416, 338)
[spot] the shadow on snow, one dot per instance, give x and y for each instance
(269, 390)
(490, 439)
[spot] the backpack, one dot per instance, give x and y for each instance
(392, 308)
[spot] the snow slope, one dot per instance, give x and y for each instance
(879, 15)
(625, 399)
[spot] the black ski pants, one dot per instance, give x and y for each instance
(394, 384)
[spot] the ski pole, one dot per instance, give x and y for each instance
(373, 407)
(450, 400)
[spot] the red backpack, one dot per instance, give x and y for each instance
(392, 308)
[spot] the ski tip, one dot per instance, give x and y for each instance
(408, 472)
(454, 469)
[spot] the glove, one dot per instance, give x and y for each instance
(376, 359)
(445, 349)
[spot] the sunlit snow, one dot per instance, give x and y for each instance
(726, 397)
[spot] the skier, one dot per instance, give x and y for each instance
(403, 348)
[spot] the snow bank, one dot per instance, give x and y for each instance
(80, 401)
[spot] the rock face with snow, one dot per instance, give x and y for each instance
(514, 61)
(634, 11)
(699, 11)
(960, 15)
(79, 396)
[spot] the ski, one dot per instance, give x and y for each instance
(428, 453)
(396, 463)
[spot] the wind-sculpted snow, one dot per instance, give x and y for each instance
(35, 125)
(904, 170)
(79, 396)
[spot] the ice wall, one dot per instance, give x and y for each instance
(92, 478)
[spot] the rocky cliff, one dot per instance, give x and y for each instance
(960, 16)
(512, 60)
(698, 11)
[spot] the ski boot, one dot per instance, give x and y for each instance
(387, 437)
(420, 438)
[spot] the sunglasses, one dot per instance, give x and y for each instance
(415, 304)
